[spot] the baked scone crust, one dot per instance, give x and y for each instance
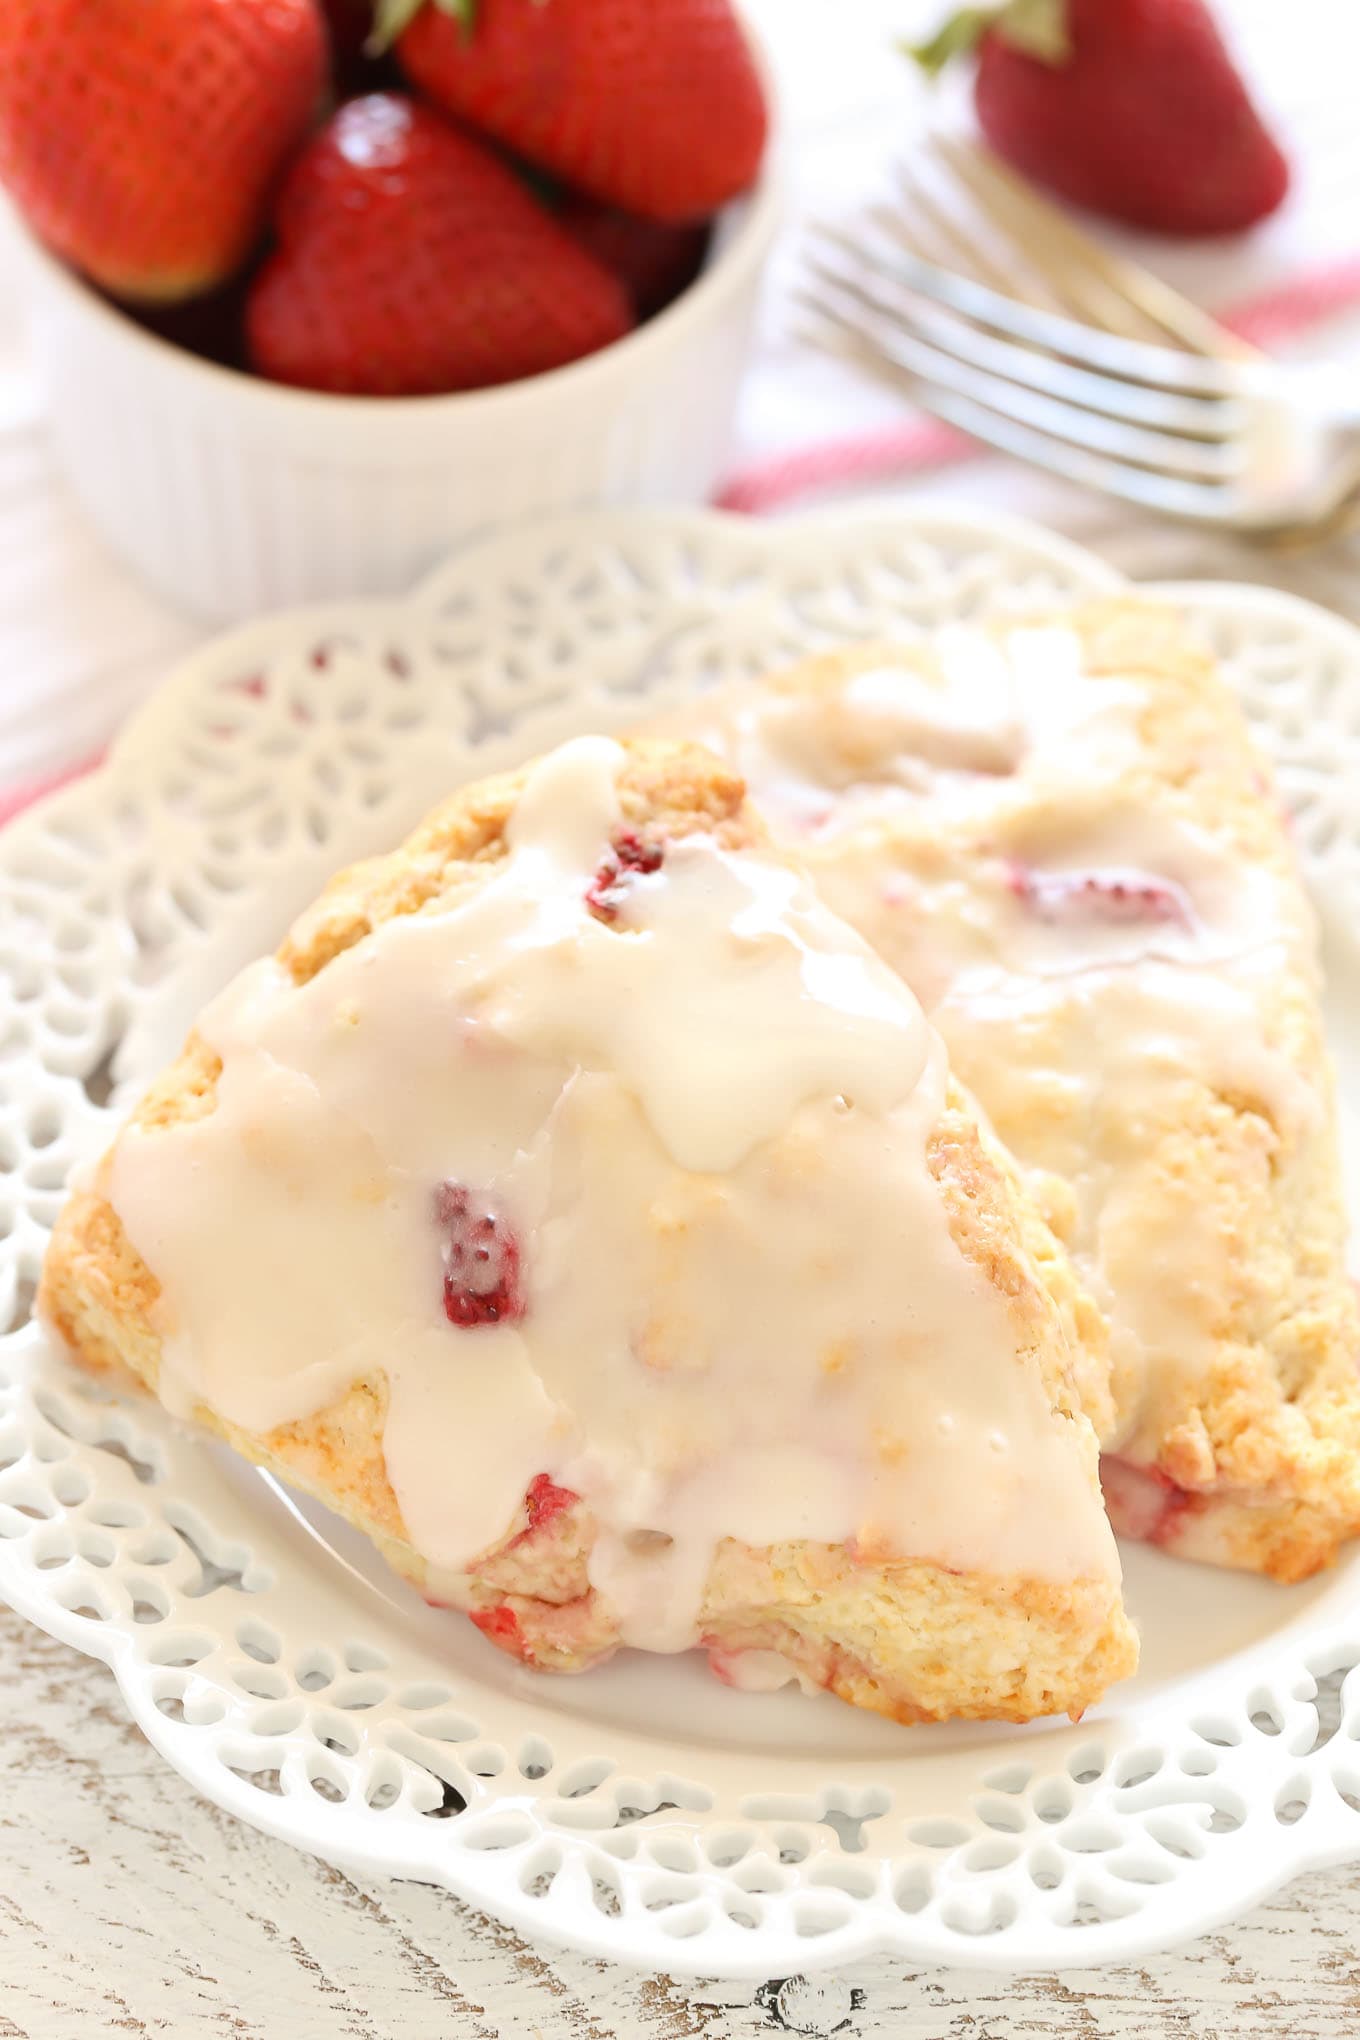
(912, 1640)
(1250, 1459)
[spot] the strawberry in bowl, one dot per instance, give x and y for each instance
(658, 109)
(298, 335)
(409, 262)
(156, 185)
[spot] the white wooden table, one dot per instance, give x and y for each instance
(128, 1905)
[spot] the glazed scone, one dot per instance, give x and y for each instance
(1062, 835)
(580, 1209)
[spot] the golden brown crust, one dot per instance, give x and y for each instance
(1030, 1647)
(882, 1636)
(997, 1224)
(1264, 1439)
(673, 790)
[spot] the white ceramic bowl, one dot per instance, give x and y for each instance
(232, 495)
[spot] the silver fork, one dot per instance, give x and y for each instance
(998, 315)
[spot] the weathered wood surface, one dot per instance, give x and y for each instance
(129, 1905)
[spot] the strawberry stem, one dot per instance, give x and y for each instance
(1038, 27)
(464, 12)
(957, 36)
(392, 17)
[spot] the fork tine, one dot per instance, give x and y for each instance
(1072, 287)
(1207, 419)
(1190, 459)
(1108, 286)
(1190, 375)
(1197, 501)
(962, 250)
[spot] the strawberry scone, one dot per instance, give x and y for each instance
(1060, 833)
(581, 1209)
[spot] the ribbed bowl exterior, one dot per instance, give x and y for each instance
(231, 495)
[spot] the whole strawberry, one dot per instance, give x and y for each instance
(1132, 108)
(141, 138)
(653, 260)
(410, 261)
(653, 105)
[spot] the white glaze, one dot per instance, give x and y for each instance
(825, 762)
(1074, 1021)
(1086, 1076)
(706, 1123)
(763, 1671)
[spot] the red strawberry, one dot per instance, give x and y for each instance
(653, 105)
(141, 138)
(1143, 1502)
(500, 1625)
(609, 887)
(481, 1260)
(544, 1501)
(1072, 897)
(1129, 107)
(411, 261)
(653, 259)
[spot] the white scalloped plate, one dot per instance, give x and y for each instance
(643, 1812)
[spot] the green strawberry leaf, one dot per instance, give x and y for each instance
(1038, 27)
(957, 36)
(392, 17)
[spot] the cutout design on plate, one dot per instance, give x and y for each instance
(315, 1707)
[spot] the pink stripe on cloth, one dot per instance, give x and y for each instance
(1296, 307)
(919, 443)
(864, 457)
(22, 794)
